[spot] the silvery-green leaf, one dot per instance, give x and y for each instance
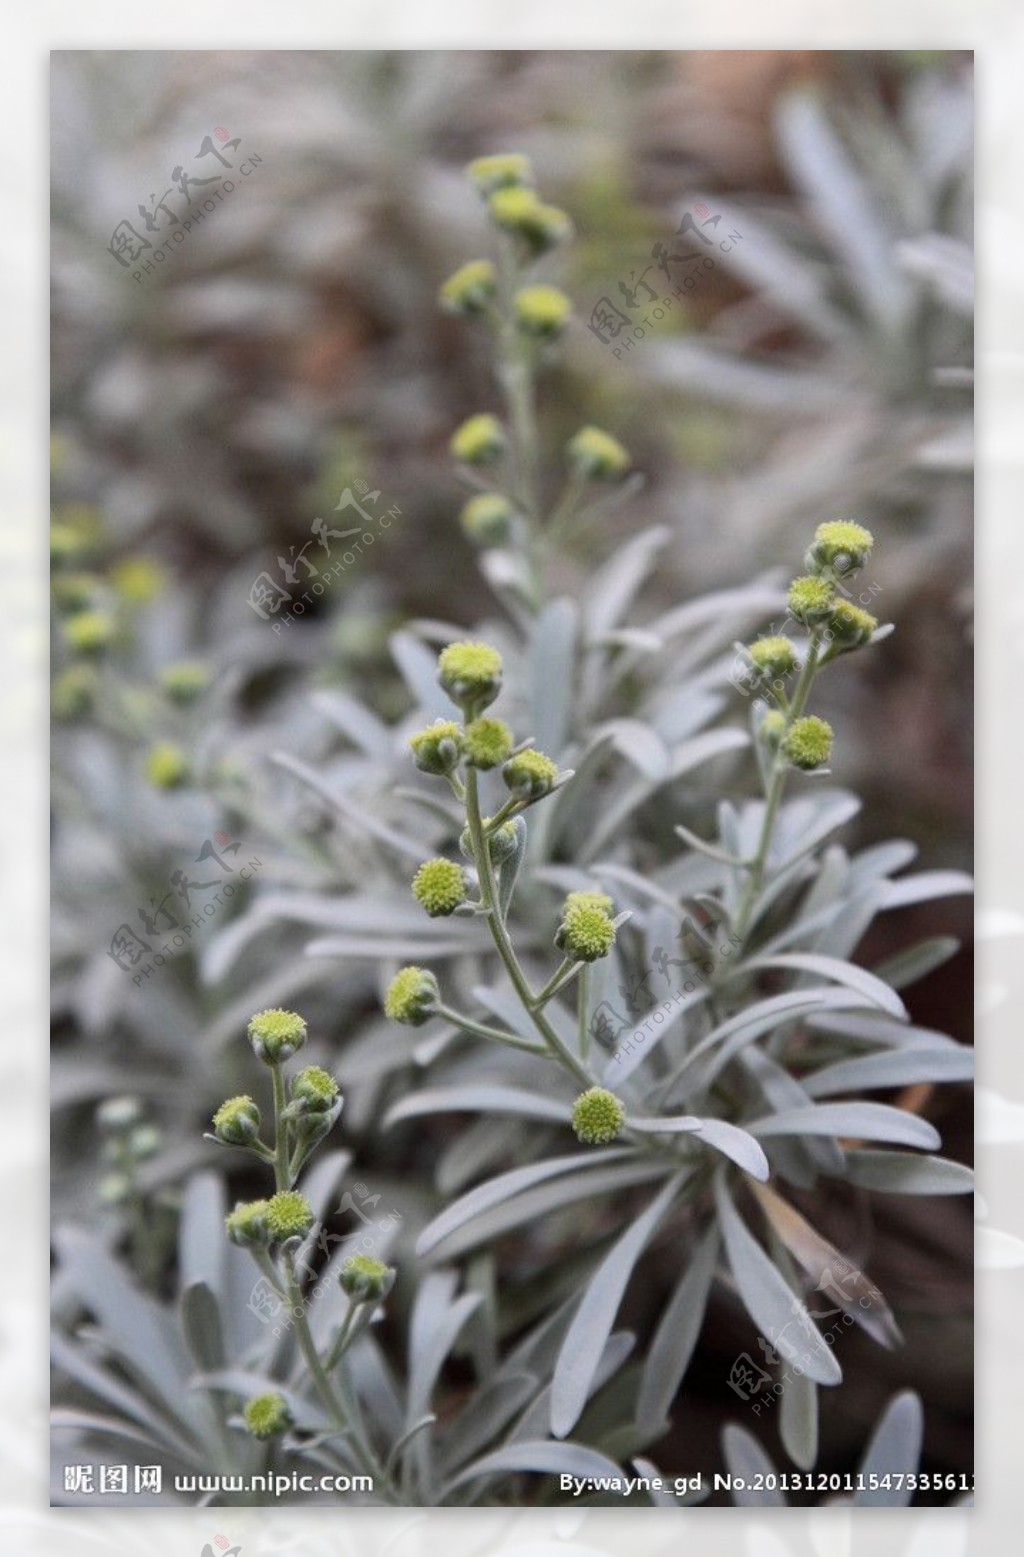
(437, 1317)
(894, 1450)
(676, 1336)
(798, 1420)
(593, 1320)
(747, 1462)
(859, 979)
(108, 1387)
(907, 967)
(927, 884)
(612, 588)
(486, 1415)
(770, 1302)
(543, 1456)
(418, 667)
(200, 1323)
(870, 1121)
(355, 720)
(552, 657)
(478, 1099)
(892, 1068)
(363, 820)
(906, 1173)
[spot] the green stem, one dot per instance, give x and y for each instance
(554, 982)
(481, 1030)
(502, 944)
(516, 375)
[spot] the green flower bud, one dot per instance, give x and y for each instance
(542, 311)
(67, 543)
(276, 1035)
(247, 1223)
(166, 766)
(90, 632)
(113, 1189)
(504, 170)
(266, 1416)
(470, 673)
(808, 743)
(487, 519)
(772, 728)
(288, 1215)
(841, 546)
(501, 844)
(237, 1122)
(145, 1142)
(519, 211)
(366, 1279)
(138, 579)
(74, 591)
(597, 456)
(811, 600)
(73, 691)
(773, 657)
(317, 1090)
(439, 886)
(413, 997)
(119, 1113)
(597, 1116)
(479, 441)
(851, 627)
(530, 775)
(488, 743)
(185, 681)
(586, 931)
(471, 288)
(437, 749)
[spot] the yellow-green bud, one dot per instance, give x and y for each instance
(808, 743)
(73, 691)
(266, 1416)
(74, 591)
(470, 673)
(773, 657)
(317, 1090)
(114, 1189)
(487, 519)
(597, 456)
(90, 632)
(501, 844)
(597, 1116)
(67, 542)
(841, 546)
(542, 311)
(166, 766)
(471, 288)
(276, 1035)
(366, 1279)
(519, 211)
(772, 728)
(503, 170)
(288, 1215)
(247, 1223)
(487, 743)
(185, 681)
(237, 1122)
(119, 1113)
(439, 886)
(811, 599)
(145, 1142)
(137, 579)
(479, 441)
(586, 931)
(413, 997)
(437, 749)
(851, 627)
(530, 775)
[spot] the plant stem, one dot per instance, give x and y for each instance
(282, 1169)
(481, 1030)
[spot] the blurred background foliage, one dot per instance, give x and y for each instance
(291, 347)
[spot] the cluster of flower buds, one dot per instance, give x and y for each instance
(127, 1141)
